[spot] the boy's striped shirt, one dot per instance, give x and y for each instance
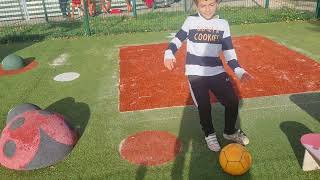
(206, 39)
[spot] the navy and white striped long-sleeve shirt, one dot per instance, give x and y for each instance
(206, 39)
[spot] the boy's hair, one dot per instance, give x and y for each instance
(196, 1)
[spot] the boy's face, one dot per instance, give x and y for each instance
(207, 8)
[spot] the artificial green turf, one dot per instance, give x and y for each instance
(91, 102)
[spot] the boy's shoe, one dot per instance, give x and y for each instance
(238, 137)
(212, 142)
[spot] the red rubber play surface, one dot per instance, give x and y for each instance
(146, 84)
(150, 148)
(28, 67)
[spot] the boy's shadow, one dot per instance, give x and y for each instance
(294, 131)
(77, 114)
(309, 102)
(196, 161)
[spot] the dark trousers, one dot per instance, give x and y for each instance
(221, 86)
(64, 7)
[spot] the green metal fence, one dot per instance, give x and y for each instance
(39, 19)
(318, 10)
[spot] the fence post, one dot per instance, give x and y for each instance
(266, 4)
(45, 11)
(185, 5)
(134, 4)
(318, 10)
(154, 5)
(86, 25)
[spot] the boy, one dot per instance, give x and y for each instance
(76, 4)
(92, 7)
(207, 36)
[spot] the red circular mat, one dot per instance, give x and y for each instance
(150, 148)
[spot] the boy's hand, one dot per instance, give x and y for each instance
(246, 77)
(243, 75)
(169, 63)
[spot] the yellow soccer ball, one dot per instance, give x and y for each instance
(235, 159)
